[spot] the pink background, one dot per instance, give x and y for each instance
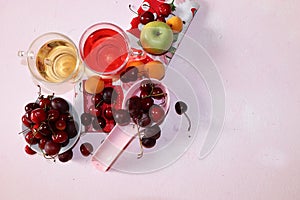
(255, 45)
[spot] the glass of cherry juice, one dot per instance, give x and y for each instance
(104, 49)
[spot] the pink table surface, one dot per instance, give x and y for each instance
(255, 45)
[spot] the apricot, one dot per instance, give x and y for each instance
(94, 84)
(175, 23)
(155, 69)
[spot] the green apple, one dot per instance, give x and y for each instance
(156, 37)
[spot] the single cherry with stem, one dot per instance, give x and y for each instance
(86, 149)
(140, 155)
(145, 17)
(181, 108)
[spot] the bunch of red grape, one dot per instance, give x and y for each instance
(145, 109)
(49, 125)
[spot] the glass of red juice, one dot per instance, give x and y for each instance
(104, 49)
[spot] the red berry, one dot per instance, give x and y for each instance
(72, 129)
(66, 117)
(30, 139)
(164, 9)
(38, 115)
(36, 132)
(31, 106)
(52, 148)
(66, 156)
(29, 151)
(86, 119)
(157, 93)
(86, 149)
(122, 117)
(40, 130)
(95, 111)
(99, 123)
(60, 137)
(97, 99)
(60, 125)
(42, 142)
(156, 113)
(148, 142)
(108, 113)
(45, 103)
(26, 121)
(53, 115)
(161, 18)
(60, 104)
(146, 17)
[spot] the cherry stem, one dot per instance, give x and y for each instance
(98, 104)
(40, 90)
(51, 128)
(24, 131)
(49, 157)
(140, 155)
(130, 8)
(189, 120)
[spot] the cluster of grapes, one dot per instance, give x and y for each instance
(100, 114)
(145, 109)
(50, 125)
(163, 11)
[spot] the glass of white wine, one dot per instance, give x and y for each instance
(53, 58)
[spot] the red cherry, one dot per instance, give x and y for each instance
(35, 130)
(97, 99)
(38, 115)
(164, 9)
(108, 113)
(42, 142)
(157, 93)
(60, 137)
(60, 125)
(60, 104)
(30, 139)
(27, 115)
(29, 151)
(86, 149)
(146, 17)
(66, 156)
(53, 115)
(31, 106)
(161, 18)
(66, 117)
(95, 111)
(52, 148)
(26, 121)
(40, 130)
(72, 129)
(156, 113)
(45, 103)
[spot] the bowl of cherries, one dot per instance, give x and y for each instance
(50, 127)
(145, 105)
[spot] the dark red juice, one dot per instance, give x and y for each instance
(105, 50)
